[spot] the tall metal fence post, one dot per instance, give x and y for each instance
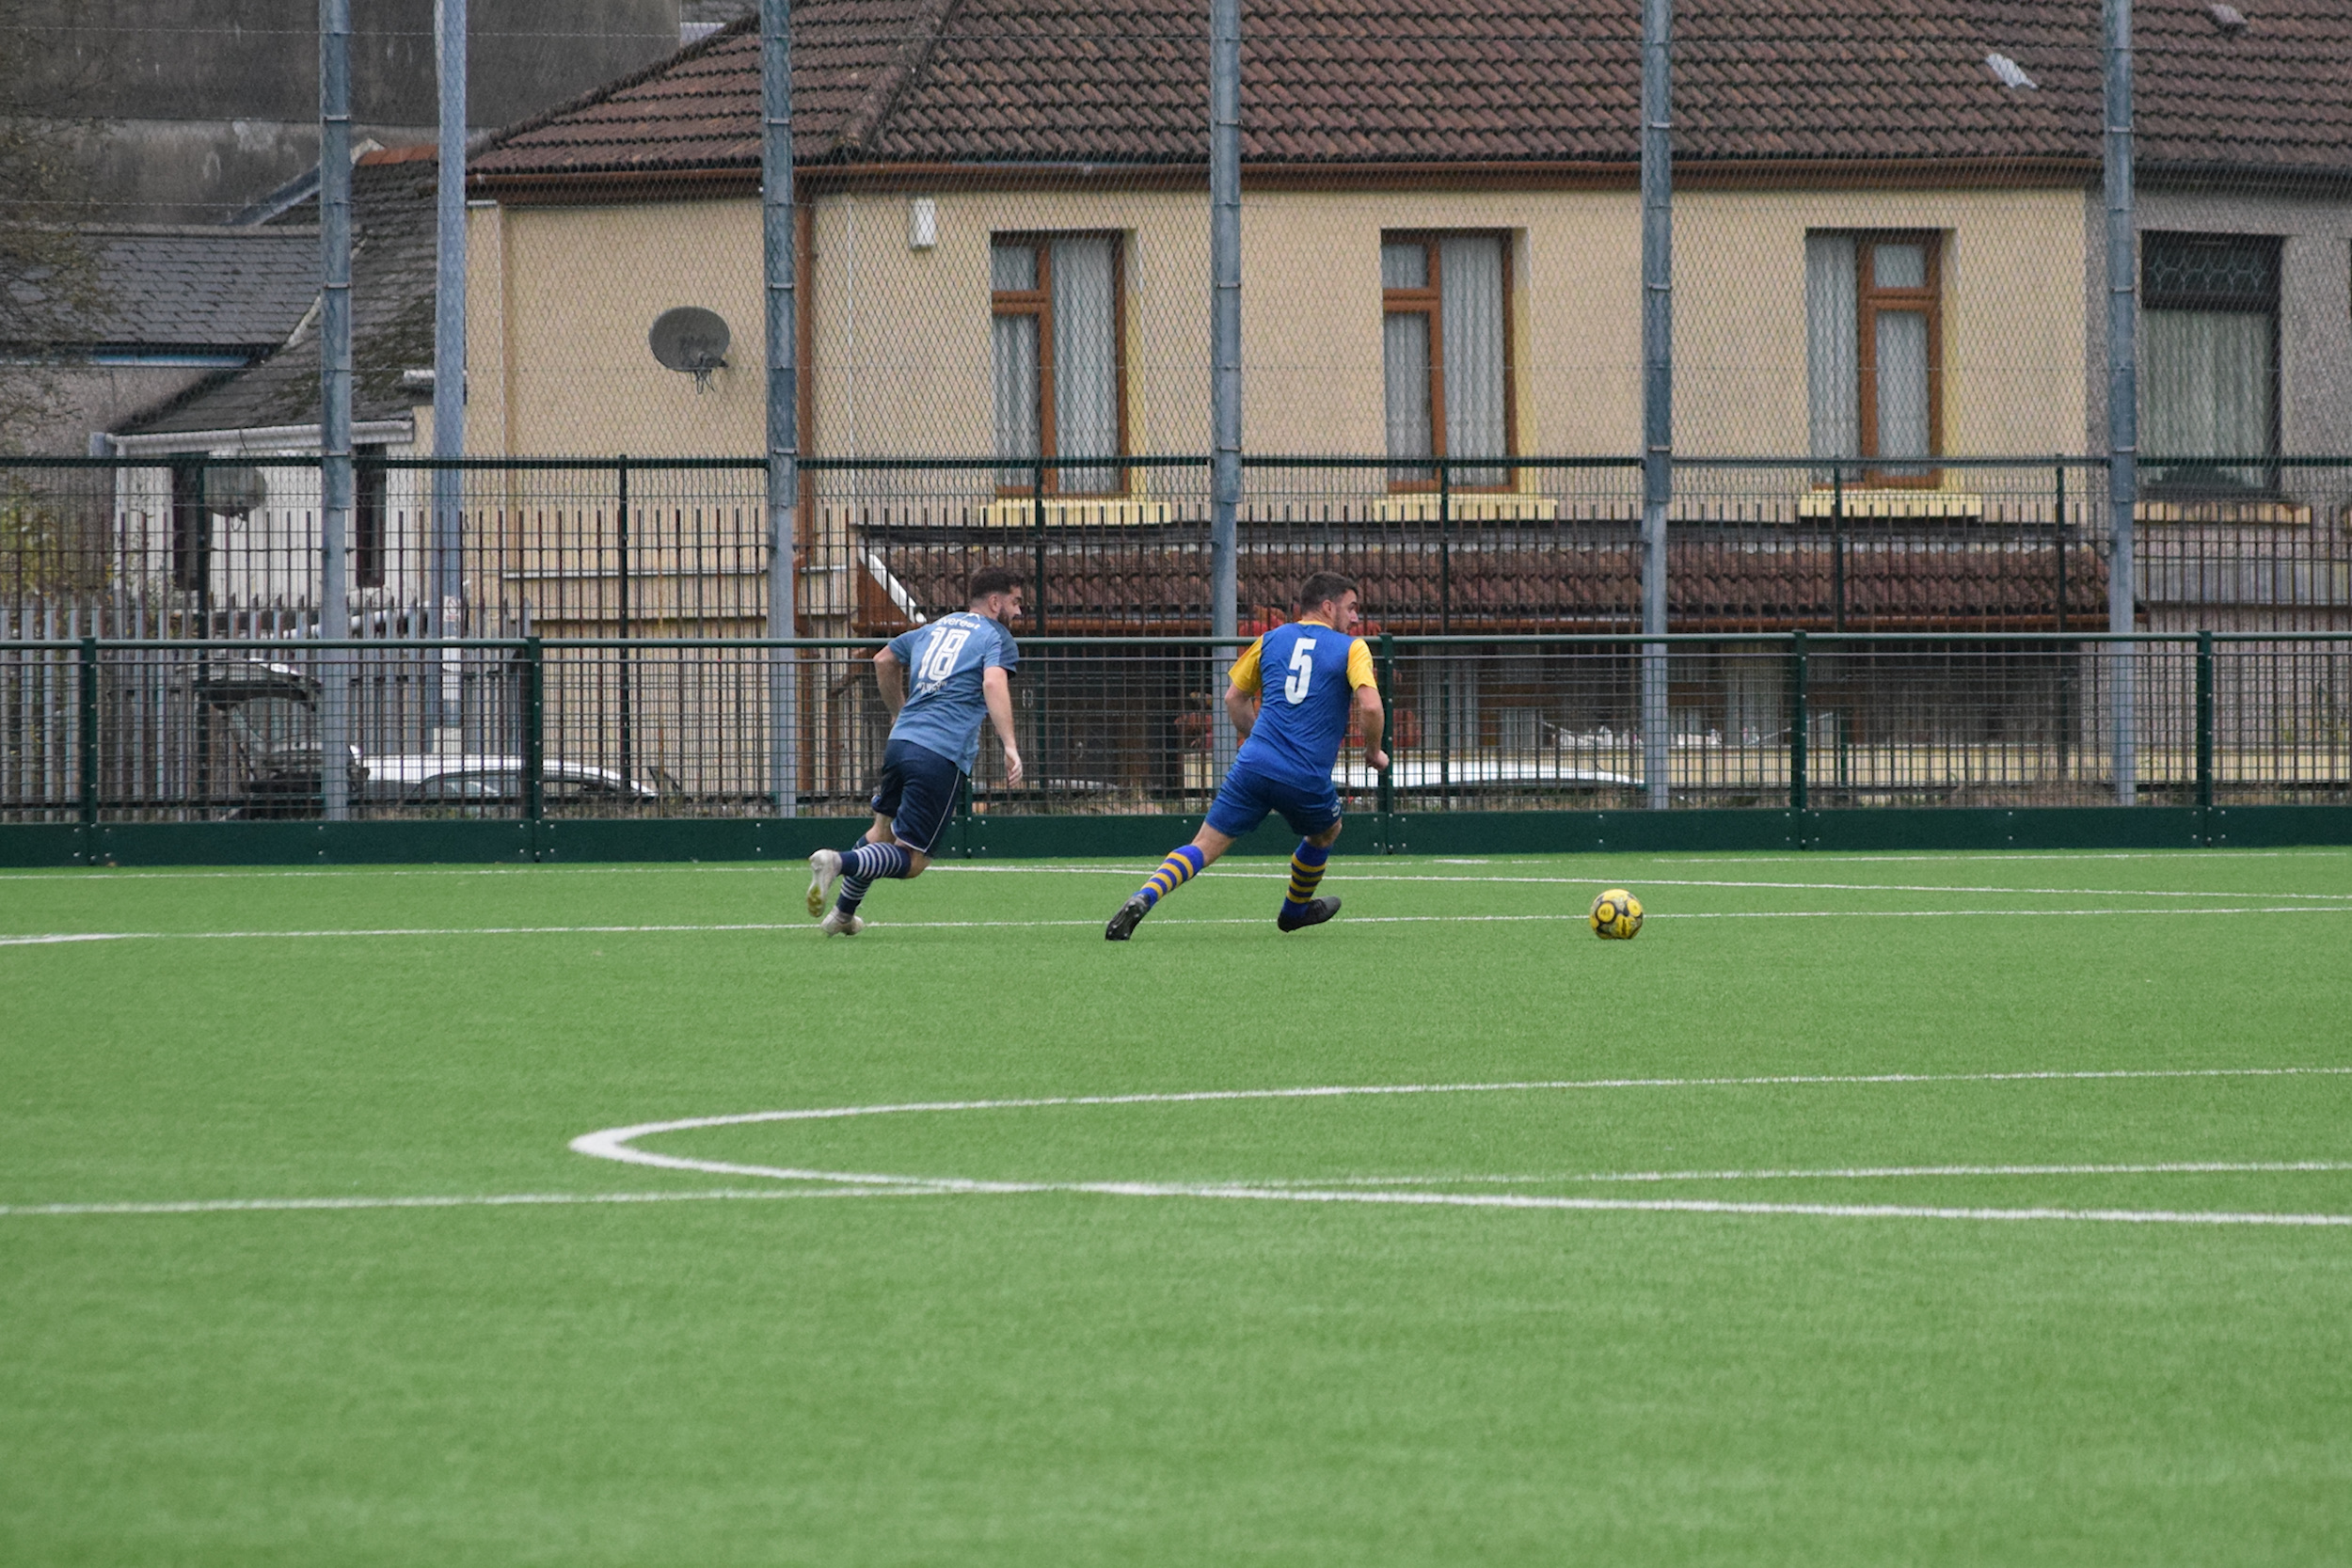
(1224, 349)
(446, 567)
(1037, 534)
(1837, 549)
(1799, 727)
(534, 730)
(2123, 400)
(1445, 548)
(1388, 698)
(88, 762)
(620, 477)
(2057, 532)
(1657, 382)
(2204, 725)
(335, 476)
(779, 269)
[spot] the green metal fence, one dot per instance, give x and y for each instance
(98, 731)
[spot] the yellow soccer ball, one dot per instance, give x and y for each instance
(1616, 914)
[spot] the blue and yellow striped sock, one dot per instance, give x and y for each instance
(1306, 875)
(1180, 868)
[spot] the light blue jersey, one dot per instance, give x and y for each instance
(946, 662)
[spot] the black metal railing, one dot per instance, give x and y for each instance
(628, 548)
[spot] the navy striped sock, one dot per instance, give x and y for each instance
(1307, 862)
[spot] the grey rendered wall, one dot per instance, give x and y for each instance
(2316, 301)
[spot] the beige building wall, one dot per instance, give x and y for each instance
(561, 300)
(2015, 336)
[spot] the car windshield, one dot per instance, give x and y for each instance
(267, 724)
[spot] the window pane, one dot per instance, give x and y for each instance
(1832, 375)
(1403, 264)
(2189, 272)
(1086, 363)
(1405, 350)
(1470, 286)
(1016, 393)
(1011, 266)
(1903, 384)
(2205, 390)
(1898, 266)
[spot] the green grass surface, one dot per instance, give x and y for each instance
(1057, 1376)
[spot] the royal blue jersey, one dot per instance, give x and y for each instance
(1305, 675)
(946, 662)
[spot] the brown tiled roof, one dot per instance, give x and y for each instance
(1341, 82)
(1566, 578)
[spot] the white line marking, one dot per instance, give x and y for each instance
(37, 939)
(619, 1144)
(106, 875)
(487, 1200)
(1854, 1173)
(1707, 1206)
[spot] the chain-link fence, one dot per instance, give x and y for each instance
(108, 730)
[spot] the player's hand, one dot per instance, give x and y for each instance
(1376, 761)
(1012, 768)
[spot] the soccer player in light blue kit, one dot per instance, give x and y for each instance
(1291, 738)
(939, 681)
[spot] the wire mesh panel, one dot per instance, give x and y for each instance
(2282, 721)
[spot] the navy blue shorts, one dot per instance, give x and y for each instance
(1309, 806)
(917, 792)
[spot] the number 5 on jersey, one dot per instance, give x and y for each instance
(1302, 671)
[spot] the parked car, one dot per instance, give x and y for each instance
(269, 714)
(473, 785)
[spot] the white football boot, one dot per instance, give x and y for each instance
(835, 924)
(824, 869)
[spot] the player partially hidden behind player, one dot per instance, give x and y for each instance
(1291, 738)
(938, 681)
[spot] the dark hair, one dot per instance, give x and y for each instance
(991, 579)
(1324, 587)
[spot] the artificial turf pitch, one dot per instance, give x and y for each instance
(1212, 1351)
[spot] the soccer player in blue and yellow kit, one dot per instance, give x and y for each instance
(1291, 736)
(939, 681)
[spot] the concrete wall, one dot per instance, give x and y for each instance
(206, 108)
(564, 297)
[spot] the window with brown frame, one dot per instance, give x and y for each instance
(1874, 325)
(1445, 342)
(1059, 365)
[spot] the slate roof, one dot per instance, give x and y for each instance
(391, 302)
(1352, 82)
(188, 288)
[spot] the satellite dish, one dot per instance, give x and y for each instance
(691, 338)
(237, 492)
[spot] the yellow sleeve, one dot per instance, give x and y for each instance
(1244, 674)
(1360, 671)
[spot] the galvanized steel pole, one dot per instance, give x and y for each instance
(2122, 402)
(1224, 338)
(784, 449)
(447, 582)
(1656, 383)
(335, 479)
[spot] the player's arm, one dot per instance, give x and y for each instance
(1242, 687)
(1370, 713)
(891, 675)
(996, 688)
